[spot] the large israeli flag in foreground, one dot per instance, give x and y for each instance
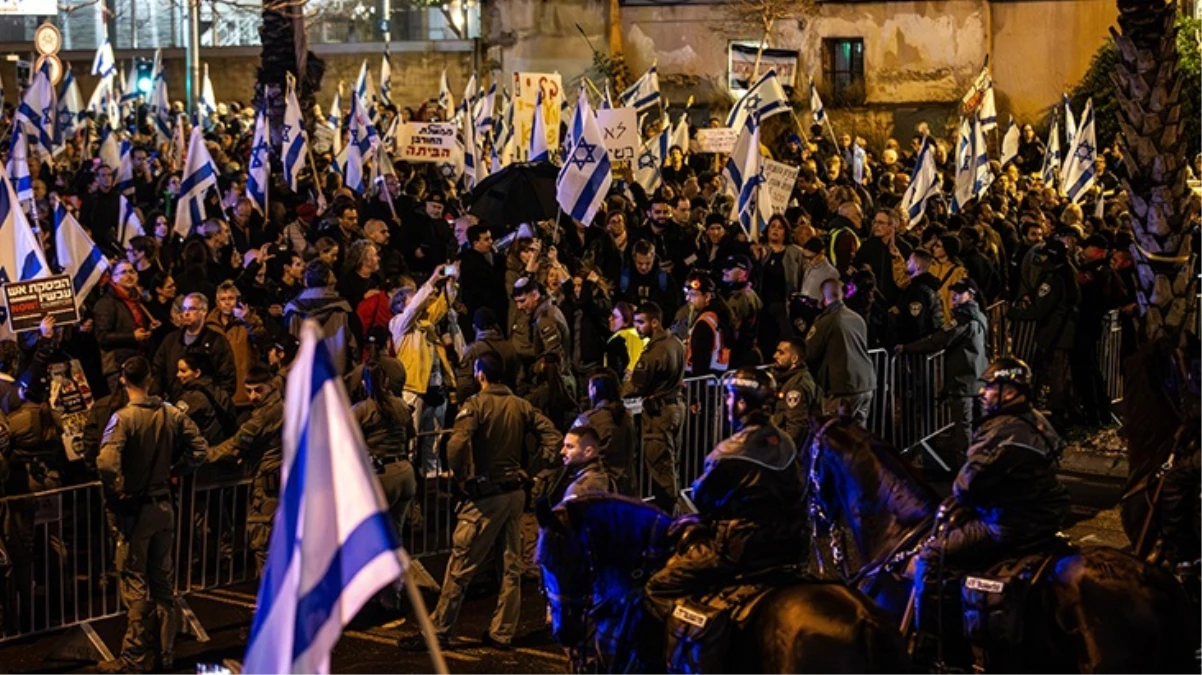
(333, 544)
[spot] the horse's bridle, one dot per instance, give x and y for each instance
(818, 515)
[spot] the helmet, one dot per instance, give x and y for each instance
(1008, 370)
(754, 386)
(701, 282)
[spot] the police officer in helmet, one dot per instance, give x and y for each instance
(749, 501)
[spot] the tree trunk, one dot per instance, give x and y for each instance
(1148, 88)
(283, 39)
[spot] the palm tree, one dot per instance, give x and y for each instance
(1148, 86)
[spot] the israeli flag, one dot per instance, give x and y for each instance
(982, 176)
(200, 174)
(385, 78)
(1070, 122)
(103, 64)
(924, 183)
(37, 112)
(1080, 172)
(503, 132)
(680, 134)
(470, 92)
(1051, 157)
(362, 144)
(539, 152)
(18, 167)
(745, 172)
(361, 87)
(473, 168)
(484, 116)
(110, 149)
(858, 159)
(129, 89)
(160, 111)
(650, 163)
(816, 110)
(70, 106)
(643, 94)
(965, 173)
(294, 141)
(129, 225)
(585, 177)
(258, 178)
(100, 96)
(208, 100)
(78, 256)
(1010, 143)
(21, 257)
(333, 544)
(988, 110)
(335, 116)
(764, 99)
(445, 99)
(124, 179)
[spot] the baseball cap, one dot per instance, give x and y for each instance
(738, 261)
(966, 285)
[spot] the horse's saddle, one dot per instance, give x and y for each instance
(700, 626)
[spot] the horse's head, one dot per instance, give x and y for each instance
(594, 550)
(863, 482)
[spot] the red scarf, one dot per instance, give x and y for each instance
(134, 305)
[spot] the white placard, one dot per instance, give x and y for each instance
(620, 128)
(525, 94)
(720, 139)
(780, 179)
(426, 142)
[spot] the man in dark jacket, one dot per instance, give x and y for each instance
(340, 325)
(488, 341)
(798, 398)
(194, 336)
(642, 280)
(481, 273)
(750, 504)
(1052, 306)
(209, 406)
(963, 343)
(980, 267)
(1007, 494)
(1101, 291)
(876, 252)
(837, 349)
(584, 470)
(919, 310)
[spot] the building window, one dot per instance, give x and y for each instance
(843, 70)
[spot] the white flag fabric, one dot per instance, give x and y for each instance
(70, 106)
(129, 91)
(333, 544)
(294, 141)
(98, 103)
(1051, 157)
(37, 112)
(484, 116)
(539, 152)
(1010, 142)
(586, 175)
(817, 112)
(988, 110)
(110, 150)
(858, 159)
(208, 100)
(123, 177)
(21, 256)
(445, 98)
(200, 174)
(160, 111)
(362, 145)
(924, 183)
(643, 94)
(745, 173)
(982, 176)
(258, 177)
(361, 86)
(965, 174)
(78, 256)
(467, 105)
(335, 120)
(1070, 121)
(680, 134)
(471, 158)
(103, 64)
(386, 78)
(1080, 172)
(18, 168)
(764, 99)
(648, 170)
(128, 223)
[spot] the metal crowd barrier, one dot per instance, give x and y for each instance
(998, 340)
(212, 542)
(58, 552)
(1110, 356)
(430, 523)
(880, 417)
(704, 424)
(920, 410)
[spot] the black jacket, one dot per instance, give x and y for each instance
(114, 326)
(481, 283)
(919, 309)
(616, 431)
(210, 408)
(209, 343)
(963, 341)
(875, 255)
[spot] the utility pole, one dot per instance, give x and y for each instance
(193, 77)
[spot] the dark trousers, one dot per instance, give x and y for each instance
(661, 444)
(1087, 379)
(146, 571)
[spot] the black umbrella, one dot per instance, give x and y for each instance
(519, 193)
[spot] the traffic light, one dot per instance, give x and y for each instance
(145, 76)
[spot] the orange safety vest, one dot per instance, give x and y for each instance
(720, 355)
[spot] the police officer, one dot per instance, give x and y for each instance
(615, 430)
(584, 470)
(543, 330)
(919, 310)
(963, 344)
(745, 309)
(209, 407)
(711, 336)
(387, 425)
(145, 443)
(750, 503)
(1006, 495)
(837, 349)
(798, 398)
(658, 378)
(258, 445)
(487, 458)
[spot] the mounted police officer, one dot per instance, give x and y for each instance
(1006, 495)
(657, 379)
(258, 445)
(749, 501)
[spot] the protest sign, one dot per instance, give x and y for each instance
(779, 178)
(29, 301)
(526, 87)
(721, 139)
(742, 70)
(619, 127)
(426, 142)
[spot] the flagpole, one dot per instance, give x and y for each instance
(423, 616)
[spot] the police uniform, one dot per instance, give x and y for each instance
(837, 350)
(588, 478)
(919, 309)
(487, 456)
(750, 499)
(618, 440)
(657, 379)
(209, 407)
(387, 440)
(1052, 305)
(142, 445)
(544, 332)
(797, 400)
(259, 444)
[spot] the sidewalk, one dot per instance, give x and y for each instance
(1094, 468)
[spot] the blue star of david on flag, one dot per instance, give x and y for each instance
(751, 103)
(647, 160)
(1085, 151)
(583, 154)
(285, 132)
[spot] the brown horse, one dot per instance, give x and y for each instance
(596, 553)
(1095, 610)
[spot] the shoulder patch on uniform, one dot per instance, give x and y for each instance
(1044, 289)
(813, 330)
(793, 398)
(915, 308)
(182, 406)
